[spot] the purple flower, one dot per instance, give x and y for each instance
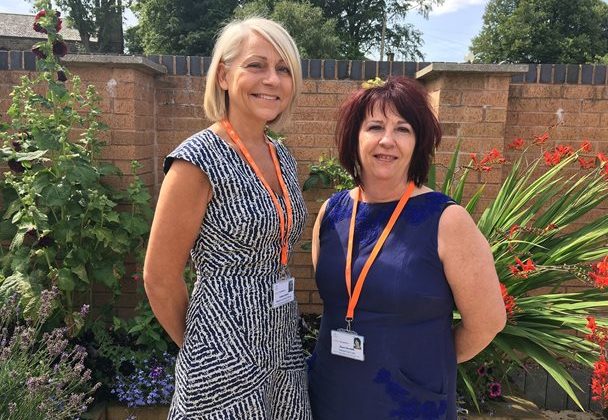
(495, 389)
(16, 145)
(84, 310)
(39, 53)
(15, 166)
(481, 370)
(60, 48)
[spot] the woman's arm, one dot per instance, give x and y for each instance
(181, 206)
(469, 268)
(315, 236)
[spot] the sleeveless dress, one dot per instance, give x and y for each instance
(404, 313)
(241, 359)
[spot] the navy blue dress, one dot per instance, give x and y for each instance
(404, 313)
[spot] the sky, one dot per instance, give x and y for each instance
(447, 33)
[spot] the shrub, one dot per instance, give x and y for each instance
(42, 376)
(63, 224)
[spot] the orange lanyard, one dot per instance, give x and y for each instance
(353, 297)
(277, 167)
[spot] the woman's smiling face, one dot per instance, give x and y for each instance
(386, 145)
(258, 82)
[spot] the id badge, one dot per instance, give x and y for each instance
(347, 344)
(283, 292)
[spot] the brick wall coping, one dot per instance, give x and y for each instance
(433, 70)
(330, 69)
(128, 61)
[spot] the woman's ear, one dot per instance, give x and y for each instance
(222, 76)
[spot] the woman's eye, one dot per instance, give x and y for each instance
(405, 129)
(254, 65)
(284, 69)
(374, 127)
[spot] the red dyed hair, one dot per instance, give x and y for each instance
(410, 100)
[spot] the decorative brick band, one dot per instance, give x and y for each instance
(317, 69)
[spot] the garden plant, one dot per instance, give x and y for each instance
(544, 236)
(63, 224)
(66, 227)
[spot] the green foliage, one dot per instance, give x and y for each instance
(329, 174)
(187, 27)
(542, 31)
(541, 215)
(62, 224)
(101, 19)
(360, 25)
(315, 35)
(42, 376)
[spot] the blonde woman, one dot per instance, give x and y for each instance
(231, 200)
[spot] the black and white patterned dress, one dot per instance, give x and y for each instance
(241, 359)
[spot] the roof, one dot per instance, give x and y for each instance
(21, 26)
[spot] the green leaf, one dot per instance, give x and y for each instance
(29, 156)
(65, 280)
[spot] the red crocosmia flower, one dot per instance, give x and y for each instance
(542, 139)
(522, 269)
(552, 159)
(602, 158)
(586, 146)
(509, 301)
(495, 389)
(599, 273)
(586, 163)
(513, 230)
(599, 381)
(564, 150)
(591, 323)
(516, 144)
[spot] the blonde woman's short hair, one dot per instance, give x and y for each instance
(229, 46)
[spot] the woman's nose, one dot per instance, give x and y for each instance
(272, 77)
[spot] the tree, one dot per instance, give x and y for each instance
(542, 31)
(187, 27)
(314, 34)
(96, 18)
(377, 24)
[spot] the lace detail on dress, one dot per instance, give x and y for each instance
(372, 218)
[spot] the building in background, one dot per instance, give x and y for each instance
(17, 34)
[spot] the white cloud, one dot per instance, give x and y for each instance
(451, 6)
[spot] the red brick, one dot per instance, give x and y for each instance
(482, 130)
(450, 97)
(460, 114)
(337, 86)
(481, 98)
(542, 91)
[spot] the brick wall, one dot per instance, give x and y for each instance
(152, 104)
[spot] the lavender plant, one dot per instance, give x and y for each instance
(42, 376)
